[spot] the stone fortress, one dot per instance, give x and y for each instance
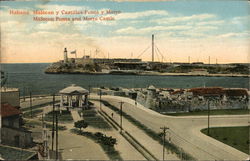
(170, 100)
(184, 100)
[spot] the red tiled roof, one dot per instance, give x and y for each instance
(218, 91)
(178, 92)
(236, 92)
(207, 91)
(8, 110)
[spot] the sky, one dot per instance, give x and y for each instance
(219, 29)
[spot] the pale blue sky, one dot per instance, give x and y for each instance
(195, 22)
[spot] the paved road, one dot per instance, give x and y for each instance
(185, 131)
(153, 146)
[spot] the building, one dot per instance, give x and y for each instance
(11, 96)
(12, 132)
(184, 100)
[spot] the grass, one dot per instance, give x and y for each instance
(94, 120)
(212, 112)
(65, 116)
(34, 113)
(38, 106)
(237, 137)
(151, 133)
(109, 150)
(9, 153)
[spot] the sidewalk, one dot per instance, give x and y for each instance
(75, 115)
(76, 147)
(126, 150)
(153, 146)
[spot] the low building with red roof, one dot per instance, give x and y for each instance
(12, 132)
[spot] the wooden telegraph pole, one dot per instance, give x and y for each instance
(208, 116)
(57, 134)
(23, 93)
(31, 105)
(53, 122)
(121, 103)
(89, 90)
(164, 129)
(100, 99)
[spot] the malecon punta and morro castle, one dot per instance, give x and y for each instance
(136, 66)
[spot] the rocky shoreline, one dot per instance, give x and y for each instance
(146, 73)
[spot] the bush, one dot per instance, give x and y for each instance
(106, 140)
(81, 124)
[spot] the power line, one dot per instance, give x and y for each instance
(160, 52)
(143, 52)
(157, 55)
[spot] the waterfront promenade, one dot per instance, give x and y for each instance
(185, 131)
(153, 146)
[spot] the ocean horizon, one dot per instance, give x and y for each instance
(31, 78)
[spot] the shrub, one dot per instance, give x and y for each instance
(81, 124)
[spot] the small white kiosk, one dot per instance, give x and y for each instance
(74, 96)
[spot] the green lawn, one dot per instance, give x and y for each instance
(237, 137)
(213, 112)
(34, 113)
(94, 120)
(65, 116)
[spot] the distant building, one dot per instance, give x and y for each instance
(199, 72)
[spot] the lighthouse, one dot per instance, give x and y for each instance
(65, 55)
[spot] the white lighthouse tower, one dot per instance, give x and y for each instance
(65, 55)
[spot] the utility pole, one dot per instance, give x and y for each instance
(164, 129)
(31, 105)
(53, 122)
(23, 93)
(208, 116)
(153, 48)
(100, 99)
(57, 133)
(89, 90)
(121, 103)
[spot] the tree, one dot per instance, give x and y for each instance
(81, 124)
